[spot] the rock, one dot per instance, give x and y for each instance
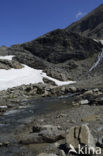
(61, 115)
(63, 89)
(48, 133)
(90, 118)
(1, 144)
(48, 81)
(39, 128)
(75, 103)
(45, 154)
(3, 108)
(84, 102)
(46, 93)
(100, 141)
(51, 133)
(89, 92)
(33, 91)
(30, 139)
(86, 136)
(7, 64)
(72, 121)
(6, 143)
(99, 100)
(36, 129)
(80, 135)
(73, 89)
(96, 90)
(62, 153)
(92, 93)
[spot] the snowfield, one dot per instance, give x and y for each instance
(27, 75)
(7, 57)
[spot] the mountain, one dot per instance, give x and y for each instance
(61, 54)
(60, 45)
(91, 25)
(66, 54)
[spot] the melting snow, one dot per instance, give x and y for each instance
(100, 57)
(98, 41)
(7, 57)
(16, 77)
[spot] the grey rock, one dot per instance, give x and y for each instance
(84, 102)
(43, 134)
(100, 141)
(73, 89)
(6, 64)
(80, 135)
(52, 133)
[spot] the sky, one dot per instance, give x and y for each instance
(25, 20)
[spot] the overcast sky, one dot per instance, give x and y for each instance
(25, 20)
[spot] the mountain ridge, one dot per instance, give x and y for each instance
(90, 25)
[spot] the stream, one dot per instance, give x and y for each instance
(14, 118)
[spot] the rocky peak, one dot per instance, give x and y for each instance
(90, 25)
(60, 45)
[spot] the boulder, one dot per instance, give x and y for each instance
(3, 108)
(80, 135)
(89, 92)
(93, 117)
(99, 100)
(84, 102)
(73, 89)
(100, 141)
(32, 138)
(51, 133)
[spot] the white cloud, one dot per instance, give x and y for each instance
(79, 14)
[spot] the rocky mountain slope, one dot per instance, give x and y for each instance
(91, 25)
(61, 54)
(65, 54)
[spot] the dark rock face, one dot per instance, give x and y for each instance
(60, 45)
(91, 25)
(25, 57)
(61, 54)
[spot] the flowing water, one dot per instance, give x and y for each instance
(100, 57)
(13, 120)
(36, 107)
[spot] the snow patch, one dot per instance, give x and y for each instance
(16, 77)
(3, 107)
(9, 57)
(57, 82)
(27, 75)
